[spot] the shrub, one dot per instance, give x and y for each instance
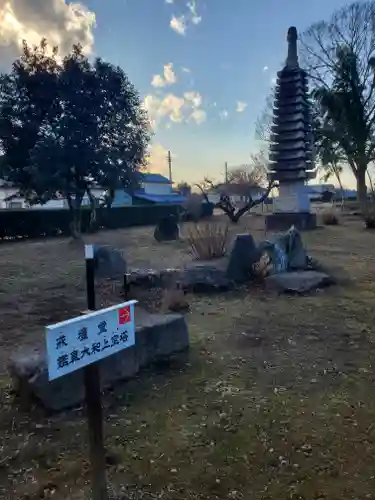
(195, 208)
(33, 223)
(208, 240)
(330, 219)
(368, 213)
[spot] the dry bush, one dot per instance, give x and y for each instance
(263, 267)
(329, 218)
(193, 206)
(208, 240)
(368, 213)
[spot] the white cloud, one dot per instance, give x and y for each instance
(169, 74)
(178, 24)
(265, 68)
(168, 1)
(168, 77)
(169, 107)
(241, 106)
(273, 80)
(158, 81)
(61, 23)
(172, 106)
(224, 114)
(157, 159)
(186, 70)
(192, 6)
(174, 109)
(198, 115)
(194, 97)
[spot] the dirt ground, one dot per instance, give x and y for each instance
(276, 401)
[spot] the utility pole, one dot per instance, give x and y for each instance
(170, 166)
(226, 173)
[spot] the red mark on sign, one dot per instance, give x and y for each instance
(124, 315)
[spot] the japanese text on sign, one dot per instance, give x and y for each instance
(75, 343)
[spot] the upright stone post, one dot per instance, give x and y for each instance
(291, 161)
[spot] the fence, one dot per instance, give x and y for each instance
(24, 224)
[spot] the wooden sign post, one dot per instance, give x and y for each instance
(93, 398)
(80, 343)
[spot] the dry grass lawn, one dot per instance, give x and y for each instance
(276, 402)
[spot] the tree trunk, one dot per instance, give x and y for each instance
(371, 184)
(361, 186)
(93, 209)
(76, 224)
(341, 190)
(75, 212)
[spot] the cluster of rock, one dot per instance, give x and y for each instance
(218, 275)
(291, 268)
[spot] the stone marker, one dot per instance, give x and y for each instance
(291, 243)
(167, 229)
(242, 259)
(298, 281)
(109, 262)
(158, 336)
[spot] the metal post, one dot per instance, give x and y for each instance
(170, 166)
(91, 376)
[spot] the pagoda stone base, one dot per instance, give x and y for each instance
(282, 221)
(292, 197)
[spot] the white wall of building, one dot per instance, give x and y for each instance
(157, 188)
(19, 202)
(4, 193)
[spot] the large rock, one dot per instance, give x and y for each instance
(196, 277)
(158, 336)
(152, 278)
(167, 229)
(109, 262)
(242, 259)
(298, 281)
(292, 245)
(205, 277)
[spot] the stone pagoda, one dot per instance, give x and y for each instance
(291, 155)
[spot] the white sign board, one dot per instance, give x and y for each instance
(80, 341)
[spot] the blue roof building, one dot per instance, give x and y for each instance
(155, 178)
(154, 188)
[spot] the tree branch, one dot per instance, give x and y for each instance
(227, 206)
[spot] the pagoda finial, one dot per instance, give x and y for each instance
(292, 59)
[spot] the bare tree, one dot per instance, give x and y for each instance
(339, 57)
(264, 120)
(245, 179)
(184, 188)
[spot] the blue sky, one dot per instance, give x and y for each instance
(203, 67)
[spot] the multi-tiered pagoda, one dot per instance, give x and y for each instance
(291, 156)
